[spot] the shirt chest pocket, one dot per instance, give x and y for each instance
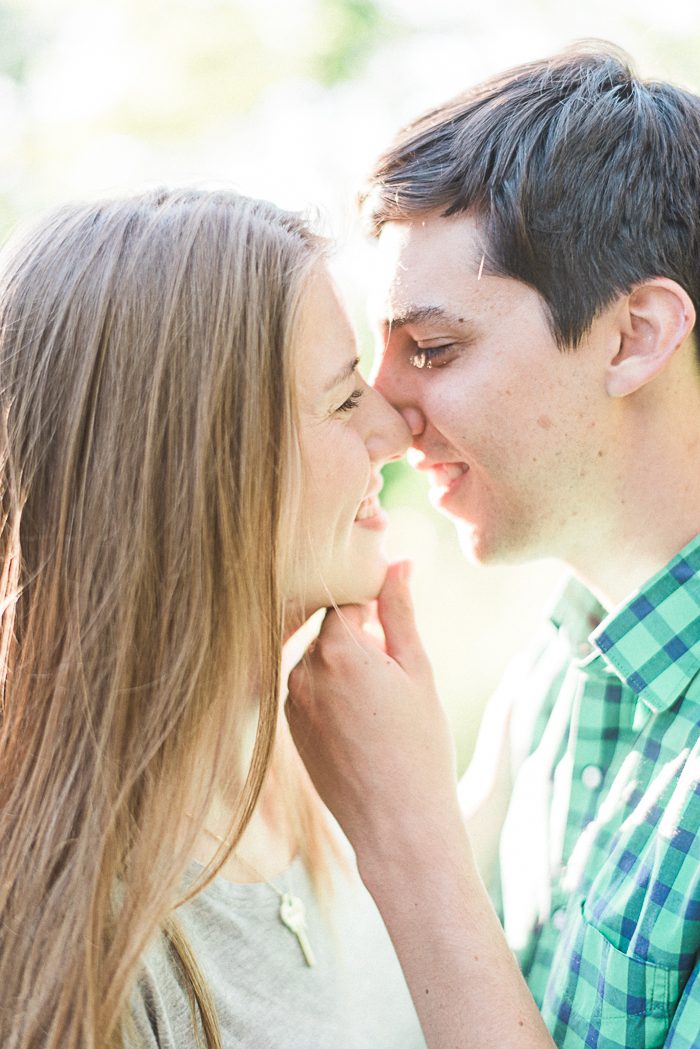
(632, 1002)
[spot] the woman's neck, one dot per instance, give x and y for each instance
(267, 845)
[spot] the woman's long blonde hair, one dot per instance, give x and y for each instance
(147, 449)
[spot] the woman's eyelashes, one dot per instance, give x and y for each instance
(352, 402)
(431, 355)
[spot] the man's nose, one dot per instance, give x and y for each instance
(396, 391)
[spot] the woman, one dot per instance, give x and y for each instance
(189, 469)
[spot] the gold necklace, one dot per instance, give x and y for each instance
(292, 911)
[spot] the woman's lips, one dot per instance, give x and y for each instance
(370, 513)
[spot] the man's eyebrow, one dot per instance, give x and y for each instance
(342, 375)
(417, 314)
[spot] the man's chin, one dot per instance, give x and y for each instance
(487, 549)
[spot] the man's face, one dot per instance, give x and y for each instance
(514, 433)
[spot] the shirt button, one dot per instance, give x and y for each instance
(591, 777)
(559, 919)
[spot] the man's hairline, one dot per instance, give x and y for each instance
(388, 325)
(436, 212)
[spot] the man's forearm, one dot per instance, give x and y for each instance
(464, 980)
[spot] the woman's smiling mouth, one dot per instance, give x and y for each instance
(370, 513)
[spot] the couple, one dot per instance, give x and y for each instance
(190, 470)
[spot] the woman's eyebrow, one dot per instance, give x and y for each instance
(342, 375)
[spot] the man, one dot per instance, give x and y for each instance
(543, 244)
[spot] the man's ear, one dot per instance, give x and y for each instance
(655, 318)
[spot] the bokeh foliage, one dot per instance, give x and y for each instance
(188, 67)
(20, 39)
(351, 31)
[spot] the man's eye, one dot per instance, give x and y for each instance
(429, 356)
(352, 401)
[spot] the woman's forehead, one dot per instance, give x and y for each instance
(326, 351)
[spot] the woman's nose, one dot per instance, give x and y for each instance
(389, 436)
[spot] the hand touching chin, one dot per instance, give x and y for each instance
(368, 723)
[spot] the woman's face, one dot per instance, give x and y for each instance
(347, 432)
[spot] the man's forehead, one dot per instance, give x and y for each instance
(455, 236)
(421, 267)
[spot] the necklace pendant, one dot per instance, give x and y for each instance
(293, 915)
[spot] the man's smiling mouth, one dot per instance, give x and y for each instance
(442, 475)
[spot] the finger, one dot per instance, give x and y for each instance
(373, 628)
(344, 617)
(395, 611)
(347, 622)
(340, 638)
(370, 628)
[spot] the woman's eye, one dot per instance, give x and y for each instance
(352, 401)
(428, 357)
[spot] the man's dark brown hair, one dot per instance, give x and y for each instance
(586, 180)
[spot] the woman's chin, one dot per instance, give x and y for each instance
(357, 586)
(362, 586)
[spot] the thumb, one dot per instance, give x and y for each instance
(395, 611)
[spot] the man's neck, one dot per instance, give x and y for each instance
(615, 583)
(648, 506)
(658, 515)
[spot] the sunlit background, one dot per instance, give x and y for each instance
(291, 100)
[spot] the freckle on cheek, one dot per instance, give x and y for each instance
(544, 421)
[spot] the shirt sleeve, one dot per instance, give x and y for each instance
(141, 1031)
(684, 1032)
(160, 1013)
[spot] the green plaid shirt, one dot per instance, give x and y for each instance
(600, 853)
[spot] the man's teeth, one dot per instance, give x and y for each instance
(369, 507)
(443, 474)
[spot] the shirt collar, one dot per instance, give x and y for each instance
(575, 612)
(652, 640)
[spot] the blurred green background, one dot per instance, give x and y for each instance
(291, 100)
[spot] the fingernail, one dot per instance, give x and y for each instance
(405, 571)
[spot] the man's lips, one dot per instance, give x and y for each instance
(443, 475)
